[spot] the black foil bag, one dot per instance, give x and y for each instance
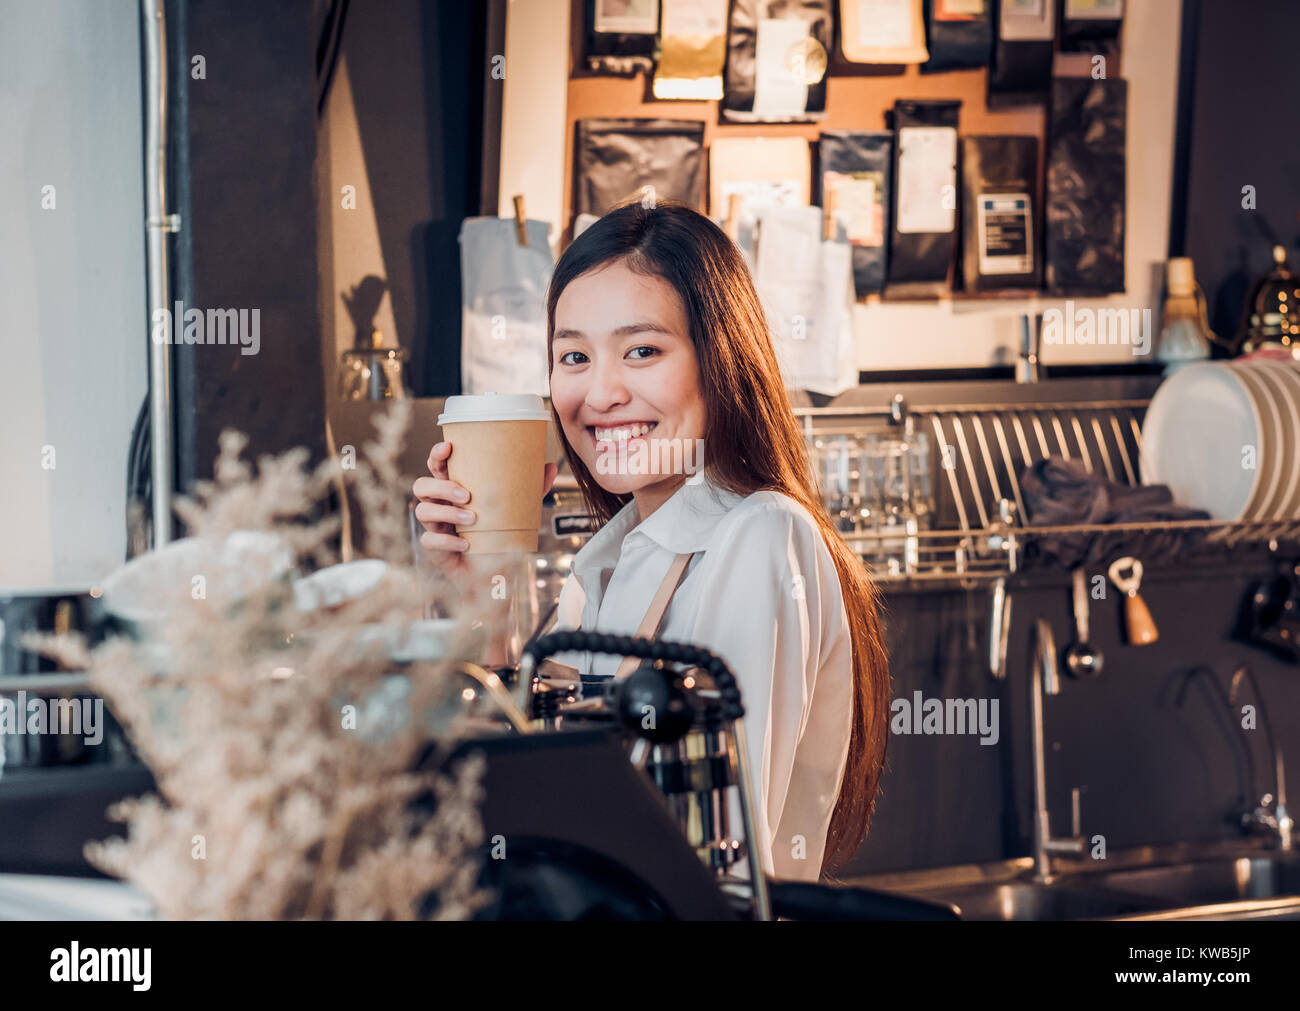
(957, 45)
(920, 261)
(1085, 186)
(869, 153)
(742, 41)
(616, 158)
(999, 221)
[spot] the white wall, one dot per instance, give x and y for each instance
(946, 334)
(73, 333)
(533, 136)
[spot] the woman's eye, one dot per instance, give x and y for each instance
(646, 348)
(566, 358)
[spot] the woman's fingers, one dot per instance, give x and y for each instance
(441, 507)
(437, 489)
(440, 486)
(438, 458)
(437, 515)
(436, 541)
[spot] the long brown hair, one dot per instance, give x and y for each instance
(755, 443)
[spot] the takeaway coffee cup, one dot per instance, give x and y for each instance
(498, 453)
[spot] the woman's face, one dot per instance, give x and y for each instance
(626, 383)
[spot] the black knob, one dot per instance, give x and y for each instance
(653, 704)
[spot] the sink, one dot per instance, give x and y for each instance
(1023, 900)
(1173, 881)
(1207, 882)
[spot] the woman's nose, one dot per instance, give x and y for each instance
(607, 389)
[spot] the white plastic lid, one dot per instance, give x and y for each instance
(494, 407)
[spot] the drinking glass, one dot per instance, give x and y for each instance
(837, 461)
(887, 488)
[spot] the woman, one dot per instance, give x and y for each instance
(659, 349)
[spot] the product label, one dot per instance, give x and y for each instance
(760, 194)
(695, 17)
(572, 524)
(1027, 21)
(631, 17)
(958, 10)
(1005, 234)
(1094, 10)
(779, 91)
(858, 201)
(885, 23)
(927, 179)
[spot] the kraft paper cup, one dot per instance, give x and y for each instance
(499, 454)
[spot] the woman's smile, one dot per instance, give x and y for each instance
(625, 381)
(613, 434)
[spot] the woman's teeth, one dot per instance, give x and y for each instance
(624, 433)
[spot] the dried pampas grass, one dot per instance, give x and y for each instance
(277, 796)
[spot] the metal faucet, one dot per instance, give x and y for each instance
(1045, 679)
(1027, 364)
(1277, 822)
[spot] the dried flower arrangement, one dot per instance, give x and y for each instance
(275, 801)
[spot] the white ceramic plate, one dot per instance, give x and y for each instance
(1198, 422)
(150, 588)
(1269, 450)
(338, 584)
(1288, 381)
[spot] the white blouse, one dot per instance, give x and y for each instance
(761, 592)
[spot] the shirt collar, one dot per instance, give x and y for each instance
(682, 525)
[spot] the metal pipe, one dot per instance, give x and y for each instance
(157, 224)
(762, 903)
(1044, 654)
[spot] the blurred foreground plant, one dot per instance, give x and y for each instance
(275, 800)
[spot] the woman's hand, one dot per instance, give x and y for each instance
(444, 506)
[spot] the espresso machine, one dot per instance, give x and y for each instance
(635, 802)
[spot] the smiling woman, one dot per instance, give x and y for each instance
(658, 341)
(614, 381)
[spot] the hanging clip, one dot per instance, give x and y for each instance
(732, 224)
(830, 198)
(521, 220)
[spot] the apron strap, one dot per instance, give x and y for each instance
(654, 615)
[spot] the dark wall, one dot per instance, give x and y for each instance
(244, 178)
(245, 150)
(1238, 128)
(1156, 769)
(420, 114)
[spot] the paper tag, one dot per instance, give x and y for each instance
(777, 91)
(885, 23)
(694, 17)
(760, 194)
(1094, 10)
(631, 17)
(958, 10)
(857, 201)
(1005, 234)
(927, 179)
(1027, 21)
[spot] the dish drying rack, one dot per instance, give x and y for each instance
(978, 451)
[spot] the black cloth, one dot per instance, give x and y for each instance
(1060, 492)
